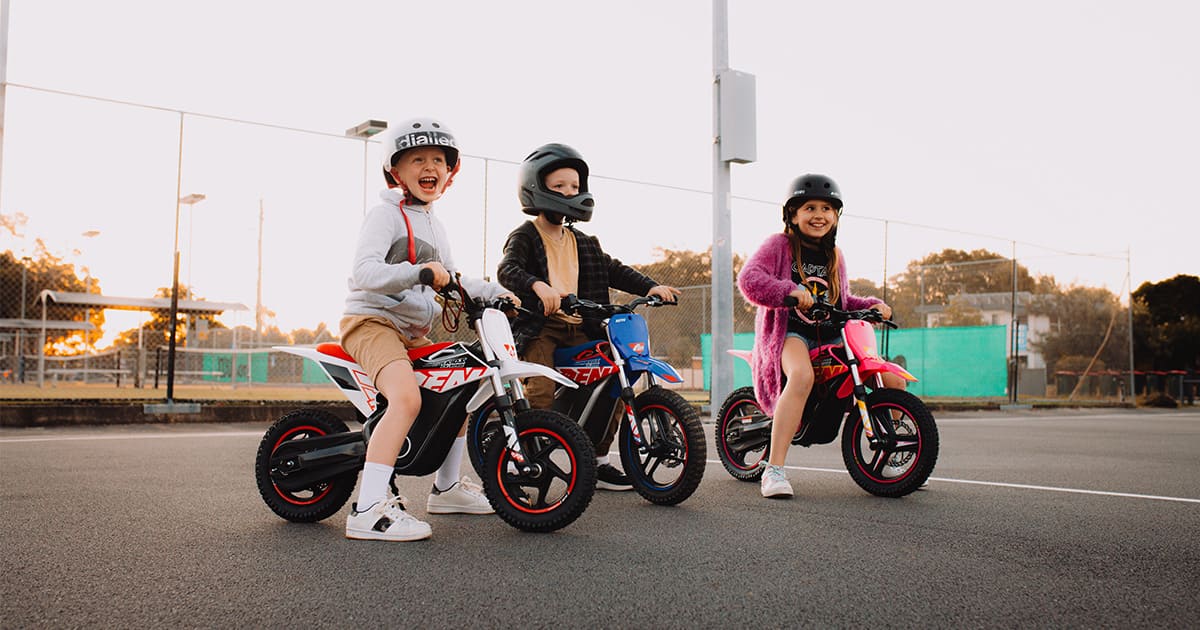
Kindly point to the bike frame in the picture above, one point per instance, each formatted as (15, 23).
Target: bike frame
(498, 372)
(625, 357)
(861, 360)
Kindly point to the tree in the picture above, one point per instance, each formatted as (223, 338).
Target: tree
(1168, 324)
(960, 313)
(934, 279)
(1086, 321)
(863, 287)
(156, 332)
(675, 330)
(45, 271)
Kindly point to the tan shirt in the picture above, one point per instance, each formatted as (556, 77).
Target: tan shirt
(562, 265)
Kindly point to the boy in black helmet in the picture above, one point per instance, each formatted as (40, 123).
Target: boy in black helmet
(547, 258)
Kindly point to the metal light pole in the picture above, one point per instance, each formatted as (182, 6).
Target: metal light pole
(364, 130)
(258, 307)
(174, 315)
(191, 201)
(25, 260)
(734, 141)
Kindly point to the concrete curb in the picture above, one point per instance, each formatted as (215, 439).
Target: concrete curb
(84, 412)
(15, 414)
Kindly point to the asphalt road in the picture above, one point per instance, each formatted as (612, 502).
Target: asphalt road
(1065, 519)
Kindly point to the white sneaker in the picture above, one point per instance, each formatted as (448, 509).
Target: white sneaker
(464, 497)
(775, 482)
(386, 520)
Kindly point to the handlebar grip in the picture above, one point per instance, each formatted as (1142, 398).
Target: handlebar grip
(569, 304)
(790, 301)
(425, 276)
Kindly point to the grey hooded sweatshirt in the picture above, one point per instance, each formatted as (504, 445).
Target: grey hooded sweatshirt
(382, 281)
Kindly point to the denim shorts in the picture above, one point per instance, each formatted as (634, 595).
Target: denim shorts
(808, 342)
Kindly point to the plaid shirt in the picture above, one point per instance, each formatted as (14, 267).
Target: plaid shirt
(524, 263)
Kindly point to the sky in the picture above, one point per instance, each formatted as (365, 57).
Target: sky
(1062, 131)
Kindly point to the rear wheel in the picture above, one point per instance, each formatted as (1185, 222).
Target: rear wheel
(321, 499)
(665, 461)
(743, 435)
(560, 478)
(905, 456)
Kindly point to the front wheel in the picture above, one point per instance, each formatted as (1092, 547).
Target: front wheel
(665, 458)
(905, 455)
(321, 498)
(559, 478)
(743, 435)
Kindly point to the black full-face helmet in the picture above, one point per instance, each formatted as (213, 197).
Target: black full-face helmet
(536, 198)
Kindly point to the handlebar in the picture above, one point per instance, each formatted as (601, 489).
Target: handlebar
(824, 312)
(456, 300)
(575, 305)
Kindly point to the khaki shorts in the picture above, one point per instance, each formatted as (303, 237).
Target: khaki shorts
(374, 342)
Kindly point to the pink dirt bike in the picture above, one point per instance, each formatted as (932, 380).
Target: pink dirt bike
(890, 440)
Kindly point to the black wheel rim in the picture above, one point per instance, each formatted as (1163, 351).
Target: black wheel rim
(303, 496)
(731, 433)
(552, 483)
(659, 460)
(897, 456)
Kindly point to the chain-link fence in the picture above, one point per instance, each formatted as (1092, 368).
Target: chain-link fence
(980, 316)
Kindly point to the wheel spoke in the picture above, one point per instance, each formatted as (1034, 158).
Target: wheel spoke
(543, 489)
(654, 462)
(535, 448)
(878, 462)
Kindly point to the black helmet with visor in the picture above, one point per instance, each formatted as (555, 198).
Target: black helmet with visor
(536, 198)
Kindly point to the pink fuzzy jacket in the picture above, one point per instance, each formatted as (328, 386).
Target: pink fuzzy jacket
(765, 281)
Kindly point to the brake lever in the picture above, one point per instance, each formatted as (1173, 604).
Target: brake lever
(569, 304)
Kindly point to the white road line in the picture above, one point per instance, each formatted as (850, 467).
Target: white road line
(131, 436)
(1021, 486)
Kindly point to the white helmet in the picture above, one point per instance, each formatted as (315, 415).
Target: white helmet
(416, 133)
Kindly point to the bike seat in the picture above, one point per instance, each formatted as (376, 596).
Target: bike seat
(335, 350)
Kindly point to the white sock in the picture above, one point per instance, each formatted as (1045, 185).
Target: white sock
(448, 474)
(375, 480)
(602, 460)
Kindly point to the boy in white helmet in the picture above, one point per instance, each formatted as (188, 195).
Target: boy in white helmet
(389, 311)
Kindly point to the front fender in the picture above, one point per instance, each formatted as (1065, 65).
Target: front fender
(870, 366)
(512, 370)
(661, 369)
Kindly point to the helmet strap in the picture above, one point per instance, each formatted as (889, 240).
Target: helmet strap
(412, 245)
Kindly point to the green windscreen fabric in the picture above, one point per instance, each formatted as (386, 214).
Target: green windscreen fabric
(960, 362)
(219, 367)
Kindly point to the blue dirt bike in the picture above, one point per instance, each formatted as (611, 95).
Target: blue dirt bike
(661, 439)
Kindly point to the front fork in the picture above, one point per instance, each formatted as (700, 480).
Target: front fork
(510, 400)
(627, 400)
(872, 430)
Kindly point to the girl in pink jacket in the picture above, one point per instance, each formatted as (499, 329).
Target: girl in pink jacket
(805, 249)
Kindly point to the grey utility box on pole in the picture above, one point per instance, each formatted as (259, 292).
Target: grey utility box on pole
(738, 124)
